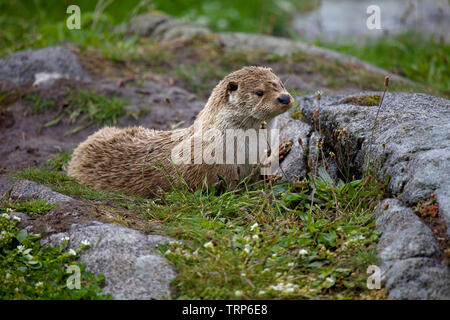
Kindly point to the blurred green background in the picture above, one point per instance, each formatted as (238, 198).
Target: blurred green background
(36, 23)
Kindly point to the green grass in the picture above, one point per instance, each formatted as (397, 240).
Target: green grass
(87, 107)
(34, 206)
(30, 271)
(39, 105)
(34, 24)
(259, 242)
(264, 243)
(419, 58)
(62, 183)
(38, 23)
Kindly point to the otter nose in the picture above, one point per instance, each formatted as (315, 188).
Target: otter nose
(284, 99)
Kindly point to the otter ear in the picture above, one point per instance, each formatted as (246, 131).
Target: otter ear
(232, 86)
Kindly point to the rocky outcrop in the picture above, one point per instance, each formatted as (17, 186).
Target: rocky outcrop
(41, 66)
(22, 190)
(410, 145)
(129, 260)
(161, 27)
(408, 251)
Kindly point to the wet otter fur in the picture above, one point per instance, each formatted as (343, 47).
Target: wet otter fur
(136, 160)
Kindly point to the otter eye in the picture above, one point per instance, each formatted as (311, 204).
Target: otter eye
(259, 93)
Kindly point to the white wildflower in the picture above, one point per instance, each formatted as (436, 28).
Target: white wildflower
(5, 215)
(20, 248)
(254, 226)
(16, 219)
(290, 264)
(255, 237)
(72, 252)
(209, 245)
(303, 252)
(85, 243)
(329, 282)
(285, 288)
(65, 239)
(243, 274)
(238, 293)
(40, 283)
(8, 210)
(261, 292)
(247, 248)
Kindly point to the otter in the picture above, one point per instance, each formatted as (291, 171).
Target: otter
(137, 160)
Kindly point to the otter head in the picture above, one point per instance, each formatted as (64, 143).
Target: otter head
(248, 96)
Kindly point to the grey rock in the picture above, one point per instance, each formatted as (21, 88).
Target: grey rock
(128, 258)
(411, 141)
(162, 27)
(293, 167)
(416, 278)
(411, 145)
(404, 235)
(26, 190)
(443, 198)
(51, 63)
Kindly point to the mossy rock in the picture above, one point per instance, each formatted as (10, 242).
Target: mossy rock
(366, 100)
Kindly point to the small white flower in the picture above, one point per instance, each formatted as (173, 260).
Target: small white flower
(238, 293)
(8, 275)
(40, 283)
(303, 252)
(290, 264)
(247, 248)
(330, 282)
(20, 248)
(85, 243)
(167, 252)
(65, 239)
(261, 292)
(243, 274)
(254, 226)
(209, 245)
(17, 219)
(72, 252)
(5, 215)
(255, 237)
(8, 210)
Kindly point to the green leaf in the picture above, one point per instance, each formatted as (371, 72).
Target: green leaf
(22, 235)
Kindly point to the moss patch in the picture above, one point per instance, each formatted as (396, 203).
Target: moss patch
(366, 100)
